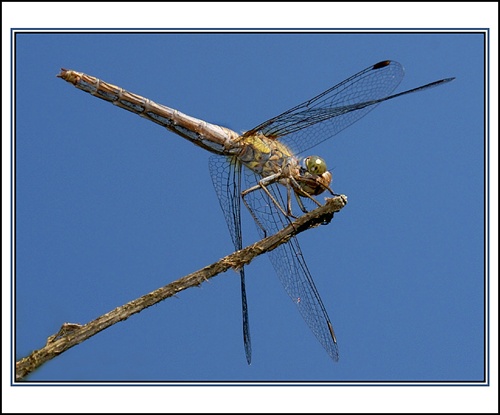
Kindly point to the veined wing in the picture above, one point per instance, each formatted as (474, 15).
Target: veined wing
(325, 115)
(290, 265)
(226, 177)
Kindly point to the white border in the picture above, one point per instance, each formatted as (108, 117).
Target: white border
(250, 15)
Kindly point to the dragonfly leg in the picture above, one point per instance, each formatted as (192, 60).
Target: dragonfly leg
(257, 221)
(289, 200)
(300, 203)
(329, 189)
(262, 185)
(299, 192)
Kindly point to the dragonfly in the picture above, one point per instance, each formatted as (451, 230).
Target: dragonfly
(262, 169)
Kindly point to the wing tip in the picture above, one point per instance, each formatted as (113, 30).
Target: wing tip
(381, 64)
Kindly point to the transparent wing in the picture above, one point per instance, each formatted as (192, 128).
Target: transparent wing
(226, 177)
(290, 265)
(325, 115)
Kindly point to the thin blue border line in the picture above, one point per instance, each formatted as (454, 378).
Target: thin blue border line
(486, 75)
(257, 29)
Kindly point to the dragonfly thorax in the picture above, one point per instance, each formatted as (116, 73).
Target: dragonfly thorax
(270, 158)
(266, 157)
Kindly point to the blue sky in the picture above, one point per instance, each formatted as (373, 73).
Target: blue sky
(110, 207)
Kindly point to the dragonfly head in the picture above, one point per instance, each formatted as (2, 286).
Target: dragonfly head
(315, 176)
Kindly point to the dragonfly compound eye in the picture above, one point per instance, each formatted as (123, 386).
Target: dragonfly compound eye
(315, 165)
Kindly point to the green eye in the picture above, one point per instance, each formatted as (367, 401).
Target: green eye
(315, 165)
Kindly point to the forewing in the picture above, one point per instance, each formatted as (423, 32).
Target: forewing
(325, 115)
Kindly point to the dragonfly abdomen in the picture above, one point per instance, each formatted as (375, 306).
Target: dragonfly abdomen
(214, 138)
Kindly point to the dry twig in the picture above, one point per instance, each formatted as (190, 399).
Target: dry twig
(72, 334)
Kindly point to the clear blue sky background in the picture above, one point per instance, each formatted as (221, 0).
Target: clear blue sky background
(110, 206)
